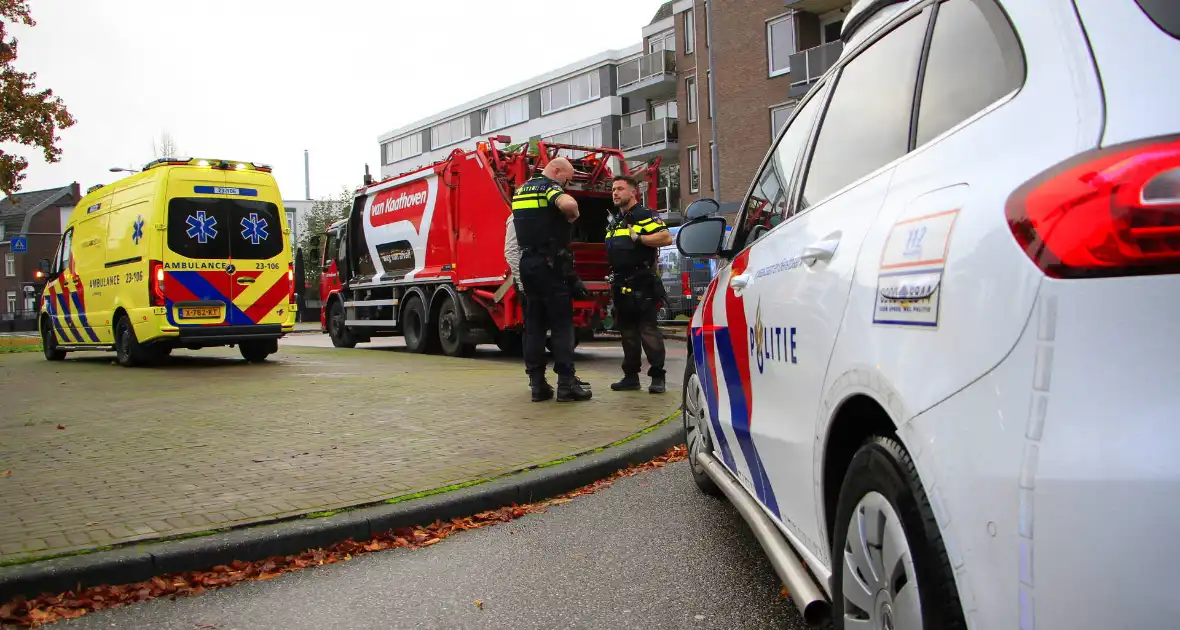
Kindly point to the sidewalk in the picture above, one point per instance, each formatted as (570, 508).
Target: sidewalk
(93, 455)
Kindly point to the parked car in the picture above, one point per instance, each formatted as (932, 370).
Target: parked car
(937, 375)
(685, 280)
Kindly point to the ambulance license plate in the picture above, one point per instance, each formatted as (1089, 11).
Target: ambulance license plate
(202, 312)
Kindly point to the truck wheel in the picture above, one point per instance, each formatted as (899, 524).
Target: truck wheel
(128, 351)
(258, 351)
(49, 342)
(420, 338)
(341, 337)
(450, 330)
(511, 343)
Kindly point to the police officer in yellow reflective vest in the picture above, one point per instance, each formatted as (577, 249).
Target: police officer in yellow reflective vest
(633, 237)
(541, 214)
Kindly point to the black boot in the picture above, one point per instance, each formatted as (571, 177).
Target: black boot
(542, 390)
(569, 389)
(657, 385)
(630, 382)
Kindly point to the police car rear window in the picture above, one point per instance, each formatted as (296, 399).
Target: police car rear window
(1165, 14)
(205, 228)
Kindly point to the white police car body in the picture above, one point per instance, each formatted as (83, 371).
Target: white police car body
(941, 360)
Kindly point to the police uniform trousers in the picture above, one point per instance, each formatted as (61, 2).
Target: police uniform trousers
(548, 307)
(636, 319)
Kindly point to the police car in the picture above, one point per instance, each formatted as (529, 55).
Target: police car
(936, 371)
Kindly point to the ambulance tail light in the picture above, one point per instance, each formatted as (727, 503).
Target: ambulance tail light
(685, 285)
(156, 282)
(1105, 213)
(290, 283)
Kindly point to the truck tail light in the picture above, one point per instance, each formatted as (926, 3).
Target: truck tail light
(156, 283)
(1104, 213)
(290, 283)
(685, 285)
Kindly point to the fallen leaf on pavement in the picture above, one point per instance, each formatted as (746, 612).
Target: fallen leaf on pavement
(479, 604)
(49, 607)
(7, 473)
(92, 523)
(783, 593)
(61, 427)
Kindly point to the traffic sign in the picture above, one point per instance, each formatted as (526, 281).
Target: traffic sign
(19, 244)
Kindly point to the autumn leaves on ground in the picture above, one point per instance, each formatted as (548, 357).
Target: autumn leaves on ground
(48, 608)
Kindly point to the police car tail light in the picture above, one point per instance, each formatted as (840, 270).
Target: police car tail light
(156, 283)
(1107, 212)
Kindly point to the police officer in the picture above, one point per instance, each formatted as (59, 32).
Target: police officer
(632, 238)
(541, 214)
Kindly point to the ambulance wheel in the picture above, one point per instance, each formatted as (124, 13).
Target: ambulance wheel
(258, 351)
(450, 331)
(891, 567)
(49, 342)
(341, 337)
(128, 351)
(420, 337)
(694, 411)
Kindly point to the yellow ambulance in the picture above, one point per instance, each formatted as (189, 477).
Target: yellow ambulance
(188, 253)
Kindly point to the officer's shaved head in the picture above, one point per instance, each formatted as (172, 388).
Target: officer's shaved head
(559, 170)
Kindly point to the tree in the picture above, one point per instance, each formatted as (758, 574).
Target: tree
(324, 212)
(27, 117)
(166, 147)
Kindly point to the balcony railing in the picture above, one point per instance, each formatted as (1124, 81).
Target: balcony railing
(811, 64)
(651, 65)
(658, 131)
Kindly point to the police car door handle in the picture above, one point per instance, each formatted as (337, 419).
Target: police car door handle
(821, 250)
(740, 281)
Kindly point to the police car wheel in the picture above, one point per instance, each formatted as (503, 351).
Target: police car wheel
(49, 343)
(891, 568)
(694, 411)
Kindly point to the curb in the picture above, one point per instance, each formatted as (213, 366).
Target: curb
(144, 561)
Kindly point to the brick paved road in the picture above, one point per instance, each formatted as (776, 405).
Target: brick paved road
(209, 441)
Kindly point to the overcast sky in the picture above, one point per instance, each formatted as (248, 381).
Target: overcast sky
(262, 80)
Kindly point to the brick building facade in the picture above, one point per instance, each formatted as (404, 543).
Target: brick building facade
(762, 56)
(39, 215)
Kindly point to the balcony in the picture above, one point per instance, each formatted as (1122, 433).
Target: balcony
(668, 205)
(646, 141)
(817, 6)
(650, 76)
(809, 65)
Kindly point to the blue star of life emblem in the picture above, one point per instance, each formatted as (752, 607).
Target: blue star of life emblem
(137, 229)
(201, 227)
(254, 228)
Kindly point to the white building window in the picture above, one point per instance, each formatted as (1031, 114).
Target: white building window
(9, 265)
(2, 239)
(11, 302)
(667, 109)
(690, 33)
(403, 148)
(778, 118)
(694, 169)
(506, 114)
(662, 41)
(580, 89)
(780, 44)
(450, 132)
(690, 90)
(586, 137)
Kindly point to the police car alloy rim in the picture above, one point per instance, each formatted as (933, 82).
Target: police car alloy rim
(879, 586)
(694, 421)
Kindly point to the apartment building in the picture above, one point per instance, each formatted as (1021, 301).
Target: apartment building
(39, 216)
(757, 58)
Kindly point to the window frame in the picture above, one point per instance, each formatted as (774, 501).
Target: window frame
(694, 187)
(690, 32)
(774, 133)
(486, 114)
(10, 302)
(690, 90)
(408, 139)
(770, 24)
(465, 119)
(9, 265)
(594, 80)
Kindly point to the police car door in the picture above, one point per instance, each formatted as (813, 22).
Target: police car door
(796, 275)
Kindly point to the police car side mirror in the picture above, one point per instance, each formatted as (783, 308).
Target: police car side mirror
(701, 208)
(702, 238)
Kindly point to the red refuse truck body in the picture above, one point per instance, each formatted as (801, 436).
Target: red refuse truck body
(421, 254)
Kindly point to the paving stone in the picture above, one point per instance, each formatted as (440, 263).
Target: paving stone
(228, 447)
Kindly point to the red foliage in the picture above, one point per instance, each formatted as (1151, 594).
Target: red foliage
(48, 608)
